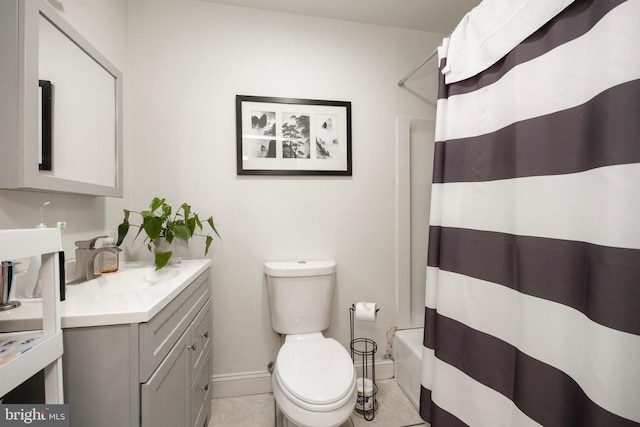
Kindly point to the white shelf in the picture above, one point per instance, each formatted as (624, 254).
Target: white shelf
(28, 242)
(45, 347)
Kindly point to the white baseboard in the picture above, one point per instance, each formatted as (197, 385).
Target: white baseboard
(240, 384)
(384, 369)
(258, 382)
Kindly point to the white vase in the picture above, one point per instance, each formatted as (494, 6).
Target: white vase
(177, 247)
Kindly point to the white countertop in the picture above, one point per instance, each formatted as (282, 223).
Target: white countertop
(134, 294)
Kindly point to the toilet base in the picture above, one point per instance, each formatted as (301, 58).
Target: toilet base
(334, 418)
(283, 421)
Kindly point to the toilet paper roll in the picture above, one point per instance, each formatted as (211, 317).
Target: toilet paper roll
(366, 311)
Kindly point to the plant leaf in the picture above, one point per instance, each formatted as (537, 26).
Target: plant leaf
(182, 232)
(187, 210)
(156, 203)
(123, 229)
(206, 248)
(191, 224)
(197, 221)
(138, 233)
(166, 211)
(213, 227)
(161, 258)
(153, 227)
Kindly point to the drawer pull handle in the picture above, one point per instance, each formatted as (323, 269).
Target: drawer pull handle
(192, 346)
(206, 335)
(205, 388)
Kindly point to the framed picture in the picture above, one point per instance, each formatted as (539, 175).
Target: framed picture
(286, 136)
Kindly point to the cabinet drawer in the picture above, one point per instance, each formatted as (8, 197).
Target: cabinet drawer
(200, 340)
(159, 335)
(201, 395)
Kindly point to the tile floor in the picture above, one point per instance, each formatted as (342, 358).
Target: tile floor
(394, 410)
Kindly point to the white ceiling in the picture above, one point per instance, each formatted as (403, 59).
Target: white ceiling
(438, 16)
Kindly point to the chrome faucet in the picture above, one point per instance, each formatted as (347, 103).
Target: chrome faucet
(86, 253)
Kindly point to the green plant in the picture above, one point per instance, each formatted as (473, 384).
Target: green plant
(158, 222)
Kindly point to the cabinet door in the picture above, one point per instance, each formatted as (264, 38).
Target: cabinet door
(80, 151)
(83, 128)
(165, 397)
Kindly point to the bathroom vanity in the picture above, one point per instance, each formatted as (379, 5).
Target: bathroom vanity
(146, 363)
(137, 346)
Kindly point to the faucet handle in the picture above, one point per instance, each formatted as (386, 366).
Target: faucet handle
(88, 244)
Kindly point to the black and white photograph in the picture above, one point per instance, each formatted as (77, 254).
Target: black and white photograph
(295, 131)
(326, 135)
(263, 126)
(292, 136)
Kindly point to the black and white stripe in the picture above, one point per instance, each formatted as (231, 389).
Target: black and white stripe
(533, 281)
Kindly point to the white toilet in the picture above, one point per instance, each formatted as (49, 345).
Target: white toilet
(314, 381)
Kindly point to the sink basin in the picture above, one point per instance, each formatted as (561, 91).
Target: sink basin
(127, 281)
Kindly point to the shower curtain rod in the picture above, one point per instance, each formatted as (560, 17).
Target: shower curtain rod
(417, 67)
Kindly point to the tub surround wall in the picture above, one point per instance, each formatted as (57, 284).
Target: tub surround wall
(415, 145)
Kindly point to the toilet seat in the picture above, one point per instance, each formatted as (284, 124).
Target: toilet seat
(315, 372)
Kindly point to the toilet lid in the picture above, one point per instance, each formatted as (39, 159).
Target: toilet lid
(316, 370)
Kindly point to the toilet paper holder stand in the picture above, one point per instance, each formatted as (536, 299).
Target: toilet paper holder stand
(365, 350)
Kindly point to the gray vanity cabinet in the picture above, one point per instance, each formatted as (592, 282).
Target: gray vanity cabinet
(151, 374)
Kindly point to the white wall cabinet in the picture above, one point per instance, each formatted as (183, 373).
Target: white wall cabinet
(70, 141)
(151, 374)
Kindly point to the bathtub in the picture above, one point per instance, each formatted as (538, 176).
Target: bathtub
(407, 355)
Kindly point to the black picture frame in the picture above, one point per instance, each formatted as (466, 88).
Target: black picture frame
(291, 136)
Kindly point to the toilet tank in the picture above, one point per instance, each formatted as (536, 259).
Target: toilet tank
(300, 295)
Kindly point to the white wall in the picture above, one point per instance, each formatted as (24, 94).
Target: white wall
(188, 60)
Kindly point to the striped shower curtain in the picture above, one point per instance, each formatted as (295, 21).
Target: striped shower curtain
(533, 281)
